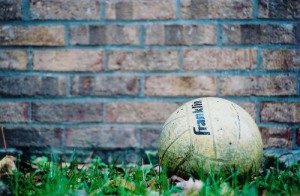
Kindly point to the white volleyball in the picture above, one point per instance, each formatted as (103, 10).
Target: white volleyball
(210, 134)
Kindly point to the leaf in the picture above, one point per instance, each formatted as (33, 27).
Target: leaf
(158, 169)
(8, 163)
(191, 186)
(226, 189)
(121, 182)
(175, 179)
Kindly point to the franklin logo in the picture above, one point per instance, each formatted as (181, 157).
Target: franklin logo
(201, 128)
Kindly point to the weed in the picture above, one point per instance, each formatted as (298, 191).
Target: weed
(98, 178)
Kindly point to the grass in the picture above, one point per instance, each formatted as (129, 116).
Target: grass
(98, 178)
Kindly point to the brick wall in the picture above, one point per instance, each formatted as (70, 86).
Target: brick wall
(101, 76)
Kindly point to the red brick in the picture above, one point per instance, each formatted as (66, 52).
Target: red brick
(140, 9)
(278, 9)
(180, 86)
(222, 9)
(11, 10)
(105, 85)
(67, 9)
(104, 35)
(297, 37)
(150, 138)
(67, 112)
(139, 112)
(279, 85)
(116, 156)
(250, 34)
(280, 59)
(219, 59)
(101, 137)
(143, 60)
(276, 137)
(249, 107)
(298, 137)
(68, 60)
(13, 60)
(32, 35)
(280, 112)
(20, 137)
(13, 112)
(180, 35)
(32, 86)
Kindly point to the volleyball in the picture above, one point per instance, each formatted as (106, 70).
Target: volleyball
(210, 134)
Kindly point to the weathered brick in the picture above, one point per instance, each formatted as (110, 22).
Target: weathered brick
(298, 137)
(13, 60)
(12, 112)
(83, 154)
(101, 137)
(32, 86)
(143, 60)
(278, 9)
(222, 9)
(150, 138)
(104, 35)
(116, 156)
(68, 60)
(280, 112)
(258, 34)
(11, 10)
(219, 59)
(280, 59)
(297, 27)
(180, 35)
(139, 112)
(67, 112)
(276, 137)
(32, 35)
(280, 85)
(67, 9)
(155, 34)
(140, 9)
(249, 107)
(286, 157)
(105, 85)
(20, 137)
(180, 86)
